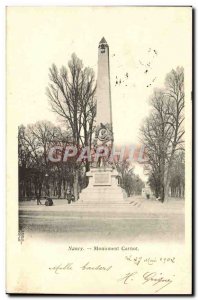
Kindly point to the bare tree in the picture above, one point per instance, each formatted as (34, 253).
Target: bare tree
(35, 169)
(71, 95)
(163, 131)
(174, 84)
(177, 175)
(129, 181)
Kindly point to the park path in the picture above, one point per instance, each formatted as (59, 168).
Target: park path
(133, 205)
(137, 218)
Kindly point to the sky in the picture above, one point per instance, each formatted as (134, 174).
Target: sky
(40, 36)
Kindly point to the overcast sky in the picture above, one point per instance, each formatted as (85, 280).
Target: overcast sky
(38, 37)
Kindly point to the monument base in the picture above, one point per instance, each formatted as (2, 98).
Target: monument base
(103, 187)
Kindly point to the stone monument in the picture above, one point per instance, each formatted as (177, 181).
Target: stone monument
(103, 177)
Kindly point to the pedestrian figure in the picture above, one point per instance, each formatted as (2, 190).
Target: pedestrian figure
(69, 197)
(38, 200)
(72, 198)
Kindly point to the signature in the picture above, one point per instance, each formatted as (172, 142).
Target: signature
(127, 277)
(155, 279)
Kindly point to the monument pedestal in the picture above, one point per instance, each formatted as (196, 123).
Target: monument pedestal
(103, 187)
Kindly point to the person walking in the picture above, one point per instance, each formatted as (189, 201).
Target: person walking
(38, 200)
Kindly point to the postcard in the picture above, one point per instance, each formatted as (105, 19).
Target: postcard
(99, 149)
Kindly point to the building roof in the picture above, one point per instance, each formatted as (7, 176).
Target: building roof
(103, 41)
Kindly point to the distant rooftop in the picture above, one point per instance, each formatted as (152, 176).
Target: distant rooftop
(103, 41)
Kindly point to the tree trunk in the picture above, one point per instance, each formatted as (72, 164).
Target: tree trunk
(166, 192)
(76, 185)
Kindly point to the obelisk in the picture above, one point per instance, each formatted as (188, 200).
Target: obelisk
(103, 92)
(103, 178)
(104, 131)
